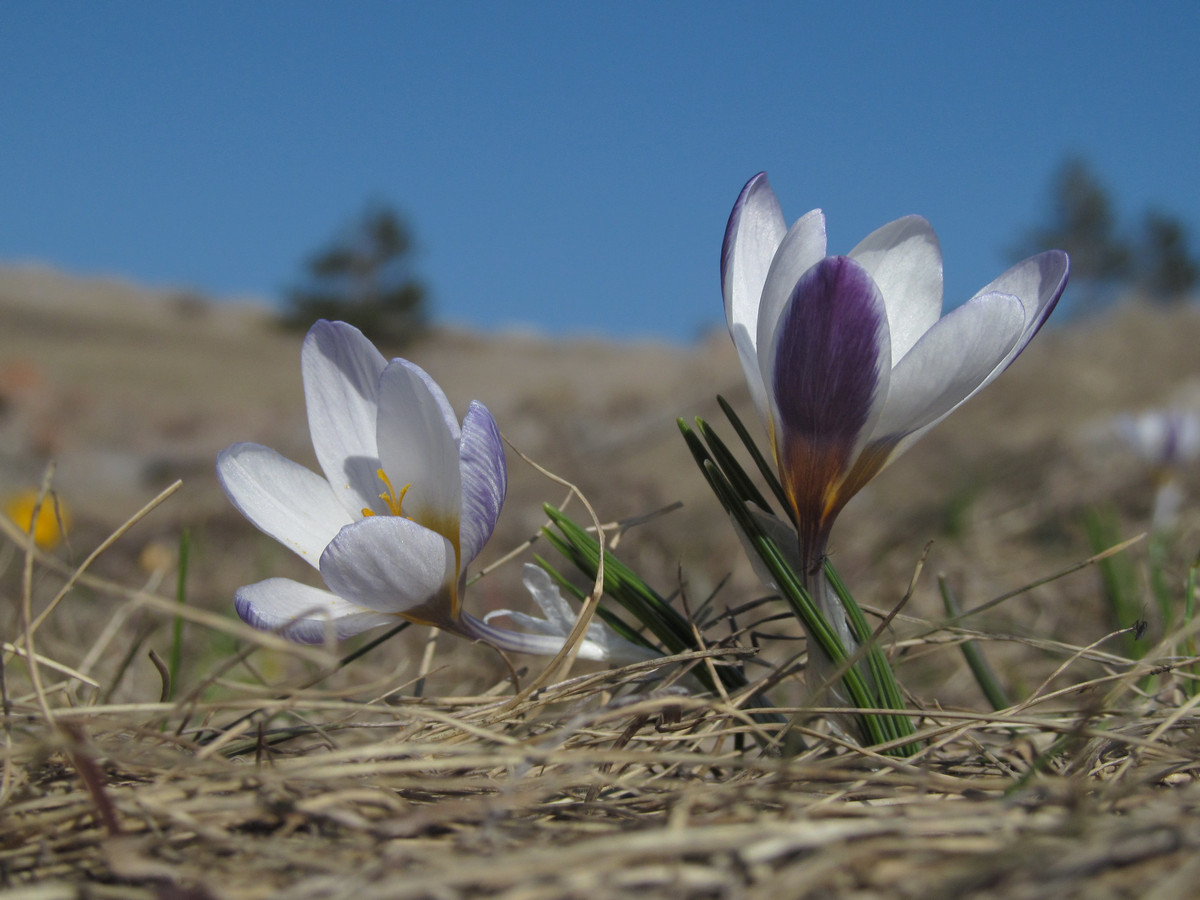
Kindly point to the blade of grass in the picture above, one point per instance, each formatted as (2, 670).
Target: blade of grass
(175, 660)
(985, 676)
(765, 468)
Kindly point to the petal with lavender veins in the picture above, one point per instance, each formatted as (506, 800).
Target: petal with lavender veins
(301, 613)
(827, 372)
(417, 448)
(484, 480)
(282, 498)
(393, 565)
(905, 260)
(341, 391)
(948, 365)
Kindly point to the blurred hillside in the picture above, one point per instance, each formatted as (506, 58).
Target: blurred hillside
(128, 389)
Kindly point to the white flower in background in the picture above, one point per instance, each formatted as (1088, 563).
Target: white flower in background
(407, 499)
(1167, 440)
(1161, 437)
(849, 358)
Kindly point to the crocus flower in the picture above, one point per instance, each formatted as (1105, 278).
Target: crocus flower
(1166, 439)
(849, 359)
(407, 499)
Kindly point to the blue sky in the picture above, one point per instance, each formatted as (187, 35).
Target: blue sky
(565, 166)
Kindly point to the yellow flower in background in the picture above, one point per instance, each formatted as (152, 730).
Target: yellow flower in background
(52, 523)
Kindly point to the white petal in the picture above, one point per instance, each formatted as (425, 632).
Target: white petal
(484, 480)
(905, 260)
(600, 643)
(1037, 282)
(560, 616)
(418, 448)
(341, 390)
(282, 498)
(540, 642)
(755, 229)
(390, 565)
(302, 613)
(949, 364)
(801, 249)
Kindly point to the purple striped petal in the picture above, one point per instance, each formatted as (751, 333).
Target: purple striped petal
(302, 613)
(827, 371)
(484, 481)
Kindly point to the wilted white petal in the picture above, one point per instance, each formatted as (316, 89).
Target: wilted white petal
(281, 498)
(302, 613)
(391, 565)
(341, 391)
(417, 448)
(484, 480)
(905, 260)
(600, 642)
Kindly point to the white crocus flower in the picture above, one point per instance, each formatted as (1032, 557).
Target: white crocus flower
(849, 358)
(407, 499)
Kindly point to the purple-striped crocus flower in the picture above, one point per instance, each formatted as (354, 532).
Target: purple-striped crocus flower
(849, 359)
(408, 498)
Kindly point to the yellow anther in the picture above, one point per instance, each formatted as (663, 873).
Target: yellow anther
(390, 497)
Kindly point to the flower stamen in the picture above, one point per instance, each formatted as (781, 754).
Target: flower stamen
(390, 496)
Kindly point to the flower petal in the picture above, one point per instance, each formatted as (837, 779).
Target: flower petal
(341, 390)
(484, 480)
(754, 231)
(281, 498)
(393, 565)
(954, 359)
(802, 248)
(418, 448)
(302, 613)
(1037, 282)
(600, 644)
(827, 372)
(905, 261)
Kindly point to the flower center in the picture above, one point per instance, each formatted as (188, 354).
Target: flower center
(391, 497)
